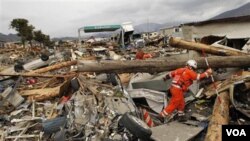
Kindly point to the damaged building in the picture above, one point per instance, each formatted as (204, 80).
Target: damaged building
(232, 32)
(226, 31)
(2, 43)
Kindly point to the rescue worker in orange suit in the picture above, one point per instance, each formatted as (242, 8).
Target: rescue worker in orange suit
(182, 79)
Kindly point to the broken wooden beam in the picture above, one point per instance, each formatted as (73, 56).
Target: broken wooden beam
(160, 65)
(45, 93)
(37, 75)
(23, 136)
(227, 84)
(22, 132)
(219, 117)
(54, 67)
(179, 43)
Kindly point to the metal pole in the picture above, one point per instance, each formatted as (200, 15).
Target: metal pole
(79, 37)
(123, 45)
(212, 77)
(147, 28)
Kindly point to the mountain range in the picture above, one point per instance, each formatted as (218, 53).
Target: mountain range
(149, 27)
(9, 37)
(237, 12)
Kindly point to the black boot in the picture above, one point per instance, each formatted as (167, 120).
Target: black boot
(182, 118)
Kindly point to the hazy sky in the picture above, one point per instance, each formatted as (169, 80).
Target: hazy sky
(60, 18)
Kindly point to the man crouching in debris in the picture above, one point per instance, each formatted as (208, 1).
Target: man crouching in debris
(182, 79)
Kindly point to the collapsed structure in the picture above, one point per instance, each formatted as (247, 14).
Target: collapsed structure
(99, 90)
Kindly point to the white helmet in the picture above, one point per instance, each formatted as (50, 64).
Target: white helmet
(192, 63)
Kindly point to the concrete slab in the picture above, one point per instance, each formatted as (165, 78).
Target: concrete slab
(175, 131)
(155, 99)
(157, 85)
(119, 104)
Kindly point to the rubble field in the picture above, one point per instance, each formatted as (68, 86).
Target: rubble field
(100, 91)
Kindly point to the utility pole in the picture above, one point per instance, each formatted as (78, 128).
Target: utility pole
(148, 19)
(148, 28)
(123, 44)
(79, 37)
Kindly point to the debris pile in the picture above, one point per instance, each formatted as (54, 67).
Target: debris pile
(100, 91)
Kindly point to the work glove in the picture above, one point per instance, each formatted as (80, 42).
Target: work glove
(166, 77)
(209, 71)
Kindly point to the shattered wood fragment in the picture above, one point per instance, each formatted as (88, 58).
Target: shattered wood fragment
(23, 131)
(48, 82)
(92, 87)
(220, 117)
(52, 111)
(40, 94)
(23, 136)
(26, 119)
(125, 77)
(223, 86)
(45, 93)
(94, 90)
(179, 43)
(159, 65)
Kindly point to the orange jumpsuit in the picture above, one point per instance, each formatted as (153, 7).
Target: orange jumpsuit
(182, 79)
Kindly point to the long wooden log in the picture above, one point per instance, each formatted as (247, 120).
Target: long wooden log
(167, 64)
(179, 43)
(37, 75)
(54, 67)
(220, 117)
